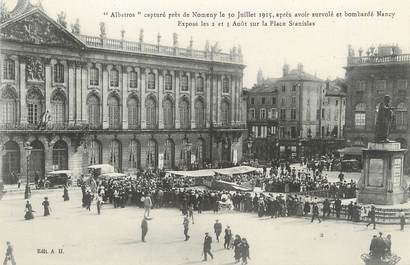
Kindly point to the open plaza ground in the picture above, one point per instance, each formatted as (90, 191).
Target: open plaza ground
(114, 237)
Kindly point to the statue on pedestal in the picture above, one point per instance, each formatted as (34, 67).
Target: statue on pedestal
(384, 121)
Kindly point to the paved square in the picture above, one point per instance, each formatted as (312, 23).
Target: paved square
(113, 238)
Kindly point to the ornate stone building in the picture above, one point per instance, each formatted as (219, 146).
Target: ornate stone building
(129, 104)
(370, 75)
(296, 115)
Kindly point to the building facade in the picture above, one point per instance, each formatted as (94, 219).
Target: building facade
(80, 100)
(304, 114)
(371, 75)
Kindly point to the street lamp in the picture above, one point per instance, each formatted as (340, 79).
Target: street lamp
(28, 149)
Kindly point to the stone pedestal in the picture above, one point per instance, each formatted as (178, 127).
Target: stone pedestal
(382, 179)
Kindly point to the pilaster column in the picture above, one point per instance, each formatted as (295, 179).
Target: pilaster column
(160, 98)
(71, 93)
(78, 92)
(48, 85)
(232, 80)
(208, 102)
(177, 79)
(84, 91)
(192, 90)
(219, 98)
(241, 112)
(104, 104)
(23, 94)
(124, 91)
(143, 110)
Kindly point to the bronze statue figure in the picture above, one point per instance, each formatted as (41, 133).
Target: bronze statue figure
(384, 121)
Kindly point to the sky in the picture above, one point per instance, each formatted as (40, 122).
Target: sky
(322, 49)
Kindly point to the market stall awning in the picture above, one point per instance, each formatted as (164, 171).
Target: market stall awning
(235, 170)
(194, 173)
(352, 150)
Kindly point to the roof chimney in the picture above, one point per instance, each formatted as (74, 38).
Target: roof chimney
(285, 69)
(300, 67)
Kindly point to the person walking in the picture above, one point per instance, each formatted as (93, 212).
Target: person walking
(244, 246)
(65, 194)
(144, 229)
(9, 255)
(46, 205)
(207, 247)
(191, 212)
(315, 213)
(28, 211)
(338, 207)
(237, 249)
(99, 203)
(227, 237)
(402, 216)
(186, 227)
(217, 229)
(147, 205)
(372, 216)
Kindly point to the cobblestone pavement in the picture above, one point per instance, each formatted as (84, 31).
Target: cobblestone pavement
(113, 238)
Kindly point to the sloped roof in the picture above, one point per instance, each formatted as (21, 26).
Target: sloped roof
(263, 89)
(299, 76)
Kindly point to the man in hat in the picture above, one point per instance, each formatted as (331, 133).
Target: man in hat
(147, 205)
(144, 228)
(315, 213)
(207, 246)
(372, 217)
(217, 229)
(228, 237)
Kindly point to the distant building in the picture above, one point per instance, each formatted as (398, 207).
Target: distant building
(296, 115)
(370, 75)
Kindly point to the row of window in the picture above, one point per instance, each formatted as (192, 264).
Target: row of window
(35, 110)
(114, 79)
(272, 114)
(264, 100)
(400, 116)
(380, 85)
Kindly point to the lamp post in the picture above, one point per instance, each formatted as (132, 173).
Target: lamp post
(27, 192)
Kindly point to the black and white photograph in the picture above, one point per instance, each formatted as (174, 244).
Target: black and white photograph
(182, 132)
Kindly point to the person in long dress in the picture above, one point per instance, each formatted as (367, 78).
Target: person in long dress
(9, 255)
(28, 211)
(46, 205)
(237, 249)
(65, 195)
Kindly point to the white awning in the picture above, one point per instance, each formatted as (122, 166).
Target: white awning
(235, 170)
(194, 173)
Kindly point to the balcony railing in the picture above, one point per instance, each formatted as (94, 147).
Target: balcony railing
(146, 48)
(351, 61)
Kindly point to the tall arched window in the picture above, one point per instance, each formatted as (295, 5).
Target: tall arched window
(114, 78)
(115, 155)
(169, 153)
(360, 116)
(151, 112)
(184, 83)
(58, 106)
(9, 72)
(133, 113)
(114, 117)
(225, 113)
(93, 103)
(225, 85)
(151, 80)
(58, 73)
(94, 76)
(401, 116)
(168, 107)
(34, 106)
(200, 84)
(168, 82)
(8, 103)
(199, 151)
(199, 114)
(152, 154)
(11, 161)
(184, 113)
(60, 155)
(94, 153)
(135, 151)
(133, 79)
